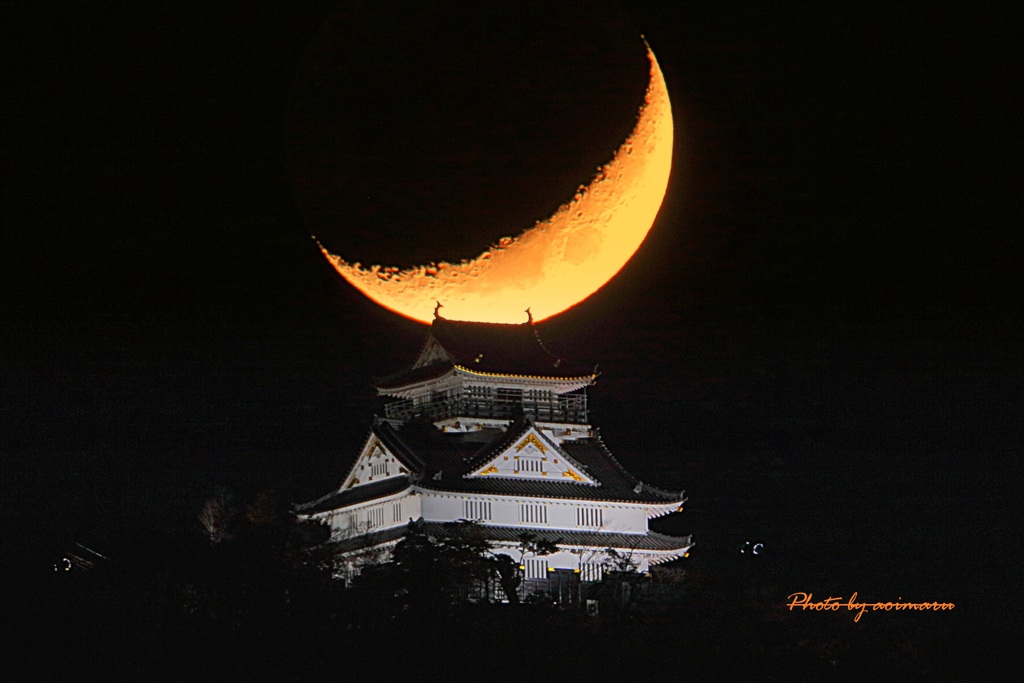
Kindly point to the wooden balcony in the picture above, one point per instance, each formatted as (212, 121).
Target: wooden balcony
(567, 408)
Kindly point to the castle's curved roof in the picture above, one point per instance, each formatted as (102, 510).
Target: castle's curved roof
(486, 348)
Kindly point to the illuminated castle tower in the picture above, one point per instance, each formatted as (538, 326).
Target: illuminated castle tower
(488, 426)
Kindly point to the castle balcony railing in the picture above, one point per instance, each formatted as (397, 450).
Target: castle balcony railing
(567, 408)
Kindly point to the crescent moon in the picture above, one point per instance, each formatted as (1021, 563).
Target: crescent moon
(558, 262)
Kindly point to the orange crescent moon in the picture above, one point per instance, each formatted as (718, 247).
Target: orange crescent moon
(558, 262)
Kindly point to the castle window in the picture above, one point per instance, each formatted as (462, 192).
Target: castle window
(590, 571)
(476, 510)
(533, 513)
(530, 465)
(590, 517)
(536, 569)
(396, 512)
(375, 517)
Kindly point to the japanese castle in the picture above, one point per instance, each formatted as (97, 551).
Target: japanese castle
(488, 426)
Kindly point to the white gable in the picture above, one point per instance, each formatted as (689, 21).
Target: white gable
(534, 456)
(375, 463)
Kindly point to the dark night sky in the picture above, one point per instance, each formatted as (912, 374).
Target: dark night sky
(820, 339)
